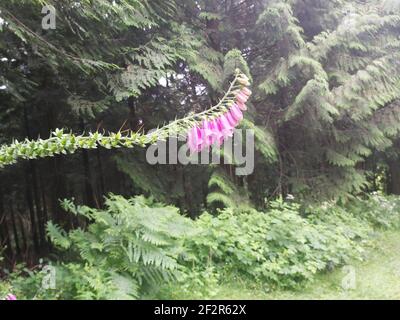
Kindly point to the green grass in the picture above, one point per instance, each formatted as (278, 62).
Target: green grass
(378, 277)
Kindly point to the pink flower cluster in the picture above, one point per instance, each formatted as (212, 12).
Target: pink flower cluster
(216, 130)
(10, 296)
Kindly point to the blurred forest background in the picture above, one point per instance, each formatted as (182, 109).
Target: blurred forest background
(325, 106)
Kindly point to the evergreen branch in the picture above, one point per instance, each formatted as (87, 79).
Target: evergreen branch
(52, 47)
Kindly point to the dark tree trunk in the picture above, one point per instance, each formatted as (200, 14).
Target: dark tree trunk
(43, 195)
(29, 199)
(39, 209)
(4, 233)
(394, 177)
(101, 172)
(23, 237)
(15, 231)
(58, 190)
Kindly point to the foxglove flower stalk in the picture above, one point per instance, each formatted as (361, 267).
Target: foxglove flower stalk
(217, 130)
(62, 142)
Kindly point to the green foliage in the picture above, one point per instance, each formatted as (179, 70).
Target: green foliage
(222, 190)
(278, 247)
(26, 283)
(152, 61)
(379, 210)
(135, 247)
(234, 60)
(284, 247)
(198, 282)
(129, 247)
(330, 74)
(264, 141)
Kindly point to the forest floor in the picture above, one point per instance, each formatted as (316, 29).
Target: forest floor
(378, 277)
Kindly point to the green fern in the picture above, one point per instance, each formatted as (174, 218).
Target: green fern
(127, 247)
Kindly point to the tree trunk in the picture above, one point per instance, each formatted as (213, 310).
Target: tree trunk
(15, 230)
(394, 177)
(4, 233)
(25, 245)
(38, 205)
(29, 199)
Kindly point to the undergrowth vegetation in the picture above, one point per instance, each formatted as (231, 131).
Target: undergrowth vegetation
(137, 248)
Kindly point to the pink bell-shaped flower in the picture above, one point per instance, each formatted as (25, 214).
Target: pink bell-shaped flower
(232, 121)
(241, 98)
(195, 139)
(192, 140)
(212, 126)
(236, 113)
(227, 128)
(241, 106)
(200, 139)
(208, 133)
(223, 133)
(246, 91)
(218, 131)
